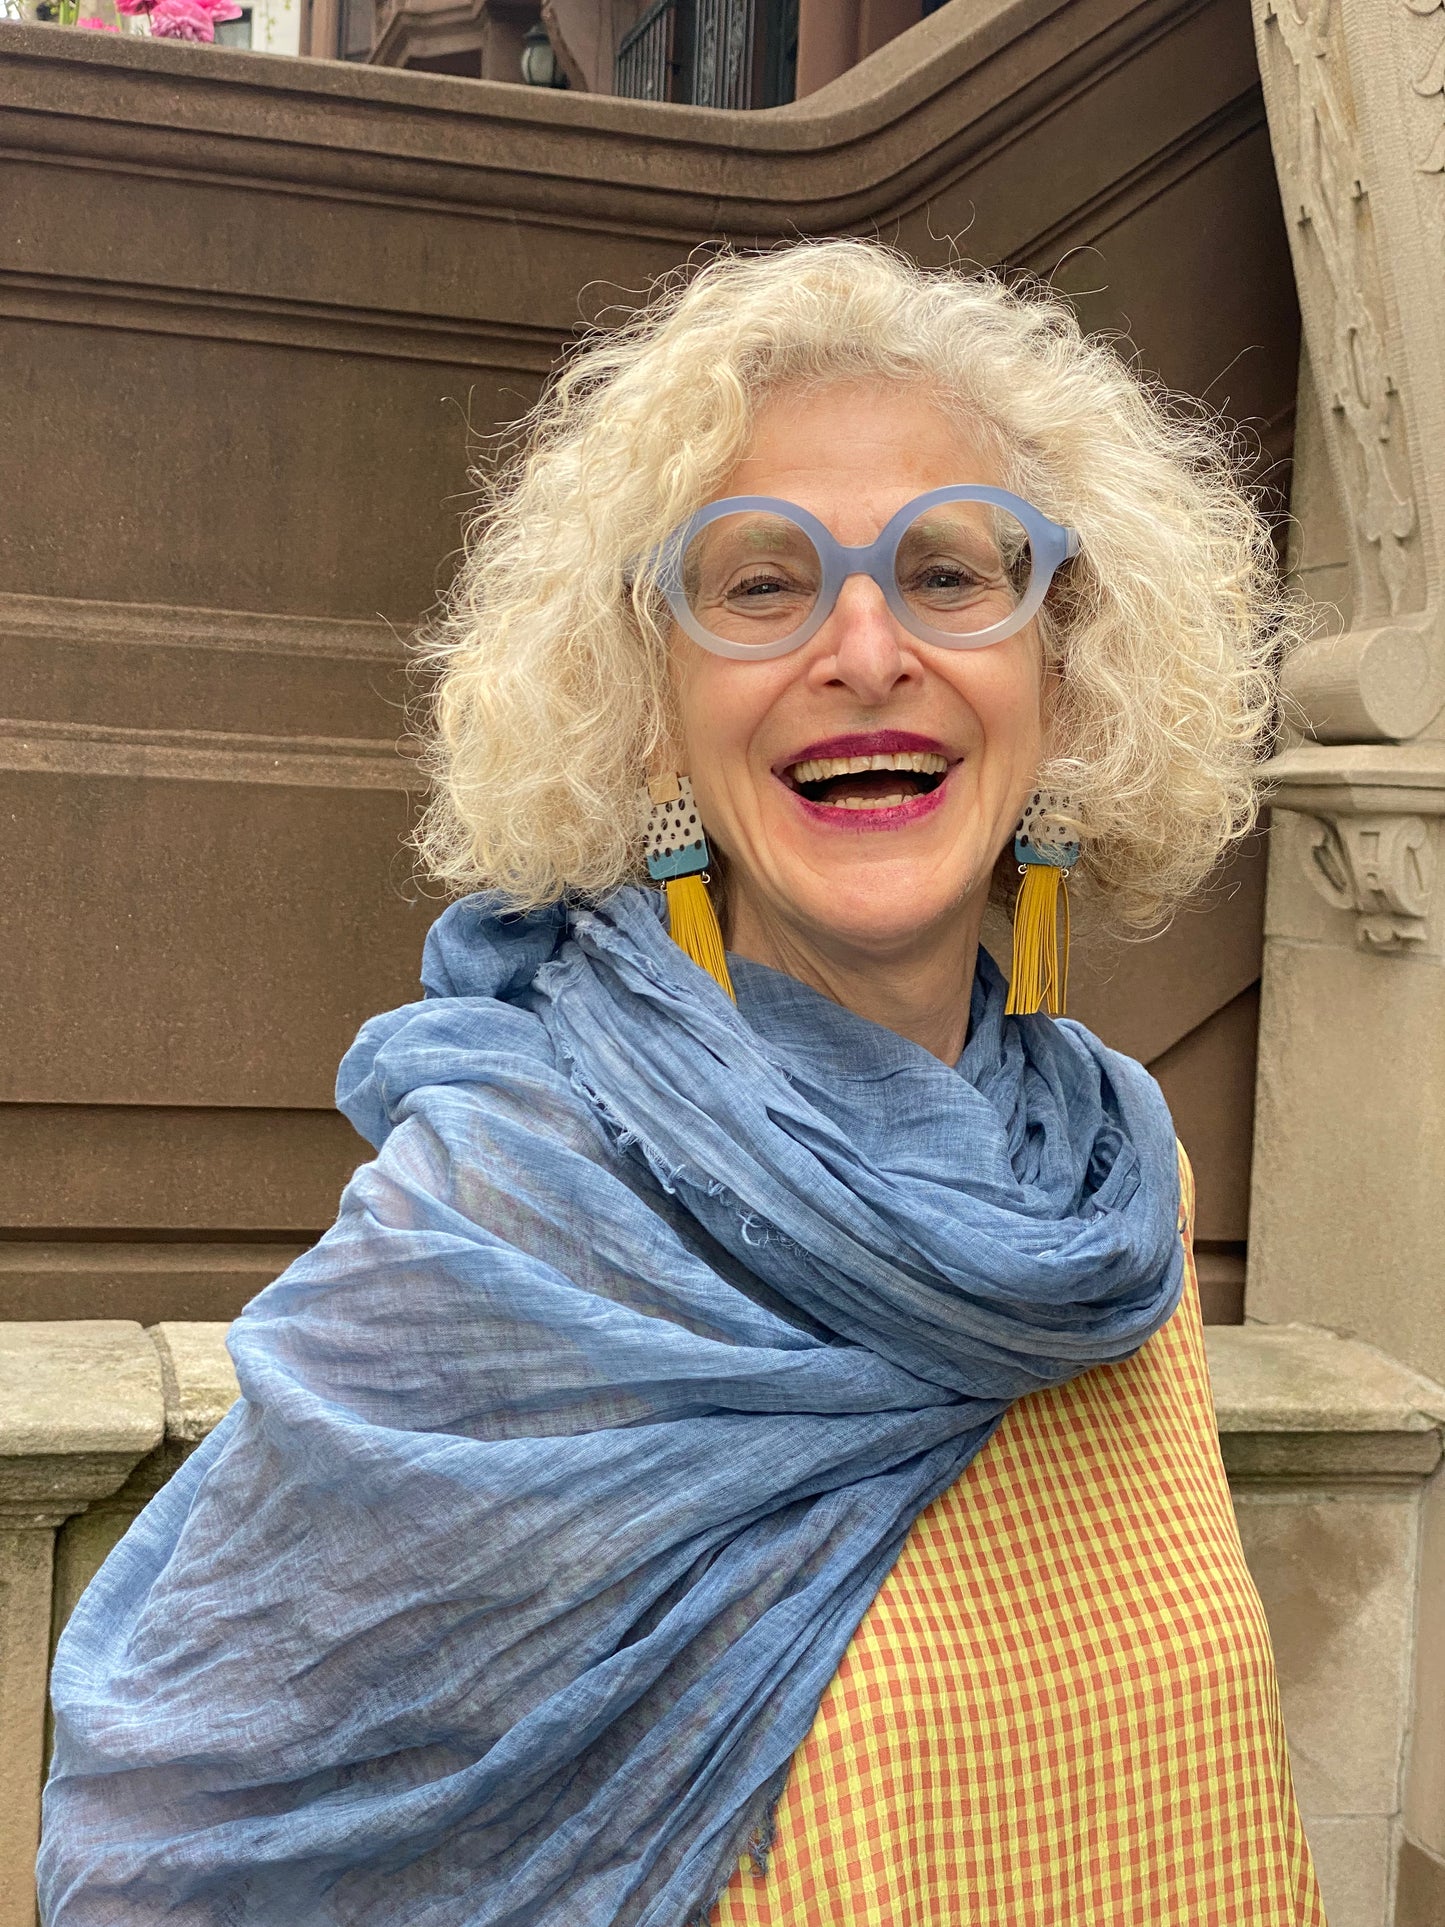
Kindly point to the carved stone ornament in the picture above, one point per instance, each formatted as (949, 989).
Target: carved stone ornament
(1382, 868)
(1318, 152)
(1355, 91)
(1374, 817)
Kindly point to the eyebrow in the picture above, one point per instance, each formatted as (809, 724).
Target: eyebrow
(768, 528)
(931, 525)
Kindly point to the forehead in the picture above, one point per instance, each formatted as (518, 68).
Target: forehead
(864, 440)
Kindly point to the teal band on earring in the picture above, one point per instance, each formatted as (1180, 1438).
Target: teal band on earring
(689, 861)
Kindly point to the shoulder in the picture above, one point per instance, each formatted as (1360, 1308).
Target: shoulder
(474, 1025)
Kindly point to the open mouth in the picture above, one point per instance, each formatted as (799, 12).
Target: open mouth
(883, 781)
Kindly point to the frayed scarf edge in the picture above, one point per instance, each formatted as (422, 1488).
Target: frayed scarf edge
(759, 1850)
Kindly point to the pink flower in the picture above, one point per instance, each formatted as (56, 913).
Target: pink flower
(187, 19)
(182, 20)
(98, 25)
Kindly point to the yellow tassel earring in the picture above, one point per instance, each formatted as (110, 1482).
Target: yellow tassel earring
(1046, 848)
(677, 858)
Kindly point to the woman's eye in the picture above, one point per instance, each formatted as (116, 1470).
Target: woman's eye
(945, 577)
(760, 586)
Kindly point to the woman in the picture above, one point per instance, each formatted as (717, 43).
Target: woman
(718, 1425)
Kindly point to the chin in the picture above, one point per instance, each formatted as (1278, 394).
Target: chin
(881, 920)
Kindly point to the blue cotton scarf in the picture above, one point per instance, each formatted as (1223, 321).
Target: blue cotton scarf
(570, 1459)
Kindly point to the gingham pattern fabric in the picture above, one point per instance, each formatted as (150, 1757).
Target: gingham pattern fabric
(1061, 1709)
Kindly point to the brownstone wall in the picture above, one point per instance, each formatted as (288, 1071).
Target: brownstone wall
(253, 312)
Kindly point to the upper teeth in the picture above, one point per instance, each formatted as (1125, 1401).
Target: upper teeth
(927, 762)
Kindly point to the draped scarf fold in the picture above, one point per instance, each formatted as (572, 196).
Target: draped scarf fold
(569, 1460)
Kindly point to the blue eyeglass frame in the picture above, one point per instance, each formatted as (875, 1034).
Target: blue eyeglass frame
(1050, 546)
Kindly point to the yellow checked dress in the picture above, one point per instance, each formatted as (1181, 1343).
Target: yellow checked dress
(1061, 1708)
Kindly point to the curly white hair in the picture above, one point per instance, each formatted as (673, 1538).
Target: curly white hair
(553, 691)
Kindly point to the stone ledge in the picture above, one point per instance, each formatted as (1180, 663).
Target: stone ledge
(89, 1407)
(1300, 1402)
(198, 1377)
(85, 1404)
(80, 1405)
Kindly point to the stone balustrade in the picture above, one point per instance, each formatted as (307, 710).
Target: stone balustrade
(1334, 1454)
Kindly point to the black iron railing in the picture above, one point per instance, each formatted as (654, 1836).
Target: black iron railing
(713, 53)
(646, 57)
(722, 53)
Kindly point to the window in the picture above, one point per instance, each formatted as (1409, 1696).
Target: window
(235, 33)
(358, 29)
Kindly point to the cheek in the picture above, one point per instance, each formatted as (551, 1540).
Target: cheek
(1007, 696)
(695, 701)
(709, 729)
(721, 705)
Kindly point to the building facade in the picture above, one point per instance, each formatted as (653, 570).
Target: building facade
(706, 53)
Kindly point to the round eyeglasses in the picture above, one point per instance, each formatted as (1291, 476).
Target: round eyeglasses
(753, 577)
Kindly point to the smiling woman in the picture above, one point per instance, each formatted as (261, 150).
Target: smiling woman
(859, 858)
(558, 655)
(744, 1451)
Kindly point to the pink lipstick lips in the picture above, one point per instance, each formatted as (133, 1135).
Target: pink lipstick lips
(868, 779)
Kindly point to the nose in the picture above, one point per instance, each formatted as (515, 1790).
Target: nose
(862, 647)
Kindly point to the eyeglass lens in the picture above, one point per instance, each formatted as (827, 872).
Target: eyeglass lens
(755, 577)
